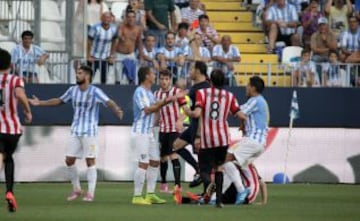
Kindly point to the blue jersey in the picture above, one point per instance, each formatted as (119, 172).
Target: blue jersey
(25, 61)
(102, 39)
(256, 125)
(143, 123)
(86, 109)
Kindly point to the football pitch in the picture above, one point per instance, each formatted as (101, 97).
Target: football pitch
(46, 201)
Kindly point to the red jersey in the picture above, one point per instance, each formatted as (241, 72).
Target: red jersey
(216, 105)
(169, 113)
(9, 119)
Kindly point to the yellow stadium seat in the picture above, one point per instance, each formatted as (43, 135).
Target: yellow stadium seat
(259, 58)
(235, 26)
(224, 6)
(258, 68)
(251, 48)
(245, 37)
(274, 81)
(226, 16)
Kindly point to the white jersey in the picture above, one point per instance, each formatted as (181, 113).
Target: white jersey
(86, 109)
(143, 123)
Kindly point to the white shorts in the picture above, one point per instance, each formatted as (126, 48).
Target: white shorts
(146, 147)
(83, 147)
(245, 151)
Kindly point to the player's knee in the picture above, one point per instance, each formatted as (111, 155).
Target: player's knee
(90, 162)
(174, 156)
(69, 161)
(154, 163)
(143, 165)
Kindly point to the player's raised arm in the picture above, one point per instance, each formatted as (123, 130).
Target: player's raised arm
(115, 109)
(51, 102)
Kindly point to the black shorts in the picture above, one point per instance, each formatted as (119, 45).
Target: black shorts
(211, 158)
(8, 143)
(189, 134)
(166, 141)
(284, 38)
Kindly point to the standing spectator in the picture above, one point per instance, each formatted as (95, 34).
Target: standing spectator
(338, 14)
(157, 13)
(25, 56)
(95, 9)
(332, 71)
(208, 34)
(129, 37)
(350, 42)
(140, 20)
(224, 56)
(12, 91)
(197, 52)
(182, 3)
(191, 13)
(101, 38)
(309, 21)
(282, 21)
(322, 42)
(148, 57)
(305, 74)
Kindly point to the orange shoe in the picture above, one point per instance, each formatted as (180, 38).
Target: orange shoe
(193, 196)
(177, 195)
(12, 205)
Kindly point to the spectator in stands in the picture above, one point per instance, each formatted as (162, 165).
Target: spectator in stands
(197, 52)
(332, 71)
(170, 56)
(25, 56)
(338, 14)
(95, 9)
(149, 53)
(157, 13)
(224, 56)
(357, 9)
(282, 21)
(305, 74)
(134, 5)
(322, 42)
(182, 3)
(191, 14)
(129, 38)
(350, 42)
(101, 38)
(182, 40)
(309, 20)
(208, 34)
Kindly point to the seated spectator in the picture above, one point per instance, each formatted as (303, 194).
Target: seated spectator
(322, 42)
(208, 34)
(101, 38)
(25, 56)
(191, 13)
(170, 56)
(305, 74)
(182, 3)
(350, 42)
(332, 71)
(282, 21)
(197, 52)
(182, 40)
(309, 20)
(338, 14)
(134, 5)
(224, 56)
(148, 57)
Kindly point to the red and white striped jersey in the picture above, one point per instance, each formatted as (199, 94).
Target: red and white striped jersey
(9, 119)
(251, 181)
(169, 113)
(216, 104)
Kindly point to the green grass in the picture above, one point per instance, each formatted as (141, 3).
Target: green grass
(38, 202)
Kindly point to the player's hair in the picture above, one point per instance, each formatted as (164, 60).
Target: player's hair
(165, 73)
(5, 59)
(27, 33)
(217, 78)
(202, 67)
(203, 16)
(258, 83)
(183, 25)
(142, 73)
(87, 69)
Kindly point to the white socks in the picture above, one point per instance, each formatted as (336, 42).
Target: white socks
(92, 178)
(73, 176)
(139, 180)
(234, 175)
(151, 177)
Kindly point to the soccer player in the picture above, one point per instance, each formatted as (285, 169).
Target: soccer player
(198, 74)
(146, 147)
(171, 121)
(85, 99)
(255, 114)
(213, 106)
(11, 91)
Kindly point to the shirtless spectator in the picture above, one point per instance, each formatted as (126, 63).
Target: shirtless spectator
(129, 37)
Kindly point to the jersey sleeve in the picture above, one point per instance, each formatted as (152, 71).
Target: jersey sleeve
(66, 97)
(101, 97)
(19, 82)
(249, 107)
(234, 106)
(199, 101)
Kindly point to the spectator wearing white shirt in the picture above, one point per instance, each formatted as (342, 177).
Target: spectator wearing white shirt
(191, 13)
(208, 34)
(224, 56)
(25, 56)
(332, 71)
(181, 39)
(305, 74)
(148, 57)
(350, 42)
(282, 21)
(197, 52)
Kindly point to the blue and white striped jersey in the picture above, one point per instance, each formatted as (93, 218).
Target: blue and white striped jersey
(175, 52)
(102, 39)
(25, 61)
(287, 14)
(151, 54)
(351, 41)
(143, 123)
(256, 125)
(218, 51)
(203, 51)
(86, 109)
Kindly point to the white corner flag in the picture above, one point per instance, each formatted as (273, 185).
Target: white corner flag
(294, 114)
